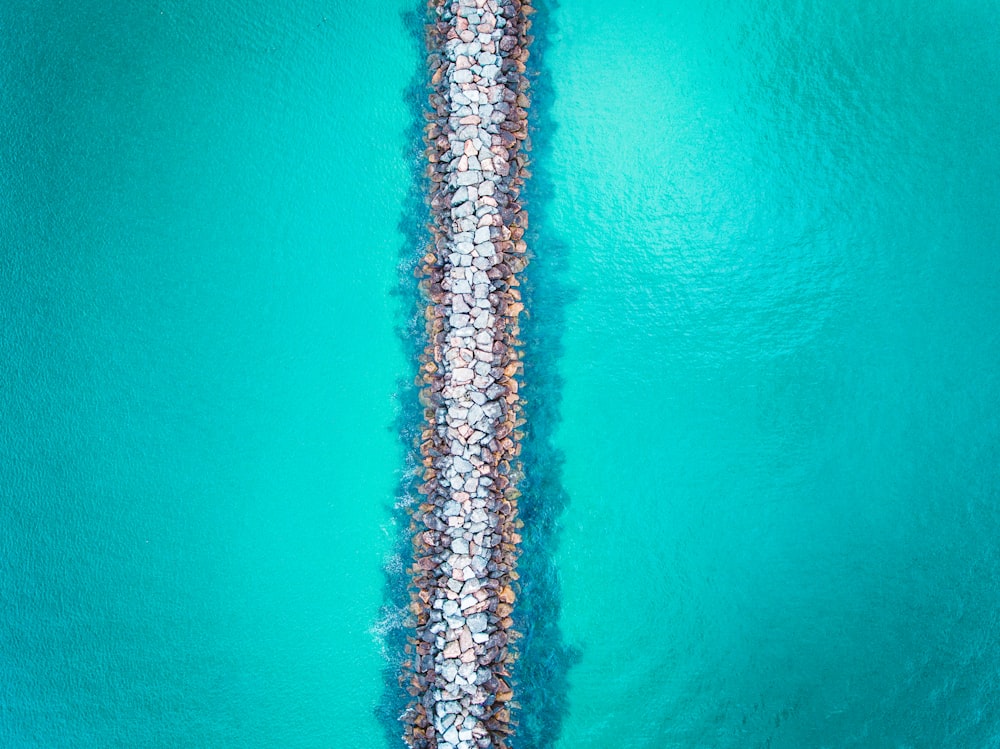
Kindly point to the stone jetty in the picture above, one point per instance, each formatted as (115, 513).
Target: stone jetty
(465, 531)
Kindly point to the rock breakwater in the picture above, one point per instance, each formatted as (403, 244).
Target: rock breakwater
(465, 535)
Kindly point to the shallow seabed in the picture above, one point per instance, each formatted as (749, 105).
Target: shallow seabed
(780, 405)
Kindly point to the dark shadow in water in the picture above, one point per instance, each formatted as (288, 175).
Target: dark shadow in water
(395, 624)
(541, 673)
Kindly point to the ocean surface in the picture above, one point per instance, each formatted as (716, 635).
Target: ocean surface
(199, 239)
(763, 462)
(779, 237)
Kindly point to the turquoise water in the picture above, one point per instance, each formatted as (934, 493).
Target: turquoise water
(779, 414)
(198, 239)
(763, 467)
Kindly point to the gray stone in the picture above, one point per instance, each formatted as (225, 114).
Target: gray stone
(447, 707)
(468, 178)
(477, 623)
(463, 210)
(495, 391)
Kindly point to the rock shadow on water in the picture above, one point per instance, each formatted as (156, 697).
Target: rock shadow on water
(545, 659)
(395, 622)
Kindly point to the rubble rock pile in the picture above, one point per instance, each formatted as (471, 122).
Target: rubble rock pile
(465, 529)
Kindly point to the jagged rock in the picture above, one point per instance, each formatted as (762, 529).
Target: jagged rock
(478, 623)
(463, 573)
